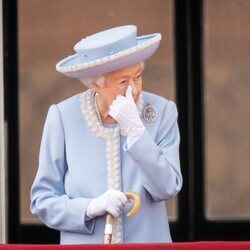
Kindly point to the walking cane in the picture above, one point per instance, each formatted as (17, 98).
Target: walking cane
(110, 220)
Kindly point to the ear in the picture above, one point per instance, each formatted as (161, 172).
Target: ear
(95, 87)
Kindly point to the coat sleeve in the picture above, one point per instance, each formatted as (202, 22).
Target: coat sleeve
(158, 158)
(48, 198)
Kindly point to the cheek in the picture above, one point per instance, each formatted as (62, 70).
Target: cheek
(138, 92)
(111, 95)
(120, 91)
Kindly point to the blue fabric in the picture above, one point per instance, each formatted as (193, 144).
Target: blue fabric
(106, 43)
(72, 170)
(107, 51)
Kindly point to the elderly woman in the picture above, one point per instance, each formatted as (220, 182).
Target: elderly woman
(109, 139)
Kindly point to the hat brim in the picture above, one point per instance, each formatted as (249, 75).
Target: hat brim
(78, 66)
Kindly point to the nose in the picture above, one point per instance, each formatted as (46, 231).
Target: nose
(135, 90)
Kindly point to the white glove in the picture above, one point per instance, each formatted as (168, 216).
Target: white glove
(112, 202)
(123, 109)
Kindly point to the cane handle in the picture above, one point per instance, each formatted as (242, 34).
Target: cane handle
(137, 202)
(110, 220)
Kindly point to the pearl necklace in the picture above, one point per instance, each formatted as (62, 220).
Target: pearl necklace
(96, 109)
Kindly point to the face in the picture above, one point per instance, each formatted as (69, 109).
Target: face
(117, 82)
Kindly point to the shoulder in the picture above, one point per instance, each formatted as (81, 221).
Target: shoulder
(69, 102)
(160, 102)
(65, 108)
(159, 114)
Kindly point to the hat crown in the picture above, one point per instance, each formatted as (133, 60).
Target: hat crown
(108, 42)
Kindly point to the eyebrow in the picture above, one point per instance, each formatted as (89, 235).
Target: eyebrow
(127, 76)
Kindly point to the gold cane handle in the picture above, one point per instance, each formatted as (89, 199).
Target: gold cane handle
(137, 202)
(110, 220)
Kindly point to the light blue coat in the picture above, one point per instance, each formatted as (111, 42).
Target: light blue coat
(72, 170)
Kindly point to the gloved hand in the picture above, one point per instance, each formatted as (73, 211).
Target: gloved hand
(112, 201)
(123, 109)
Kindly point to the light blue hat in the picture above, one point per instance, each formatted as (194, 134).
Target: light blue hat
(107, 51)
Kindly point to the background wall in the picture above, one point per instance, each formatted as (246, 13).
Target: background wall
(227, 113)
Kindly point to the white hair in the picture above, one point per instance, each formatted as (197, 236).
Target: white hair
(99, 80)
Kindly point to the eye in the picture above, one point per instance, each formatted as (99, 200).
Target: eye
(138, 77)
(123, 84)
